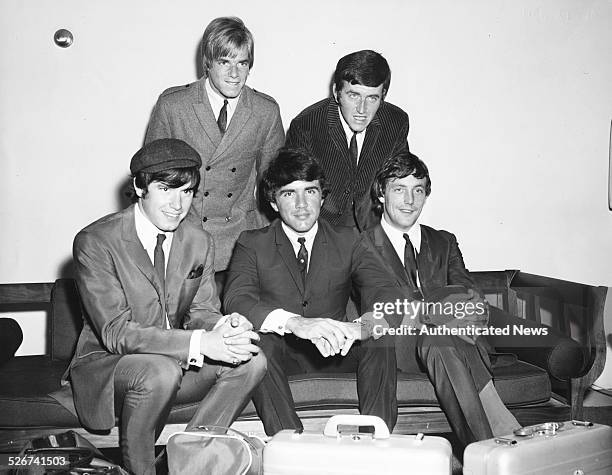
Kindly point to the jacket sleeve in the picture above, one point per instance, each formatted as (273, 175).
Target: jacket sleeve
(159, 126)
(457, 274)
(108, 310)
(242, 290)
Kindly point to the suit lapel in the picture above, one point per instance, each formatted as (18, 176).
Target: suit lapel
(390, 257)
(136, 251)
(204, 113)
(369, 143)
(336, 132)
(241, 116)
(318, 259)
(285, 249)
(174, 276)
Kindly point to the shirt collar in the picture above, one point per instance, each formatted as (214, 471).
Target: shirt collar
(147, 232)
(293, 236)
(347, 130)
(216, 100)
(397, 237)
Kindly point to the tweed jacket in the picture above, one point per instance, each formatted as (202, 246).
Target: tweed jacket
(318, 129)
(225, 203)
(125, 305)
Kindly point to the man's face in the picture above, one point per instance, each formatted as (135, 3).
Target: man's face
(228, 74)
(358, 104)
(403, 201)
(299, 204)
(164, 206)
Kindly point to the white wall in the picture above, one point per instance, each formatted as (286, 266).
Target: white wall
(510, 105)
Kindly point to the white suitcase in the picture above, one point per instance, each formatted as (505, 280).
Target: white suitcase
(556, 448)
(335, 453)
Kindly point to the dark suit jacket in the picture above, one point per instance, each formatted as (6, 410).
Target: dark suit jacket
(440, 264)
(263, 274)
(440, 261)
(318, 129)
(232, 163)
(124, 305)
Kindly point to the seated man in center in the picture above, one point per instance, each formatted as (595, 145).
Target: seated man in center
(292, 280)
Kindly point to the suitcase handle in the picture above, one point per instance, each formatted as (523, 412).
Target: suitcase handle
(381, 431)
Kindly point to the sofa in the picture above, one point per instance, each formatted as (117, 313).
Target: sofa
(546, 382)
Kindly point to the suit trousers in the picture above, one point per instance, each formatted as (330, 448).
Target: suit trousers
(372, 360)
(458, 371)
(147, 386)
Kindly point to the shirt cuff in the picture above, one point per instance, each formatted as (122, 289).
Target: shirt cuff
(195, 357)
(276, 322)
(221, 321)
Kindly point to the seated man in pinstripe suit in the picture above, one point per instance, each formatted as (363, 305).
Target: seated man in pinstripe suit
(351, 134)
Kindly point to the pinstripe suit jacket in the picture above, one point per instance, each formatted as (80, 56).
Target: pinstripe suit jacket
(318, 129)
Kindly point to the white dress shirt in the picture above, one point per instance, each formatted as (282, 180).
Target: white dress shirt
(276, 321)
(216, 102)
(349, 135)
(147, 234)
(396, 237)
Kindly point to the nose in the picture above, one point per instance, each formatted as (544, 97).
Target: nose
(175, 200)
(234, 70)
(408, 198)
(361, 106)
(300, 200)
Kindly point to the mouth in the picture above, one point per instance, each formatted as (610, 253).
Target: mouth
(172, 216)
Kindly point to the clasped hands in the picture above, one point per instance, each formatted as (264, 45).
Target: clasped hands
(231, 341)
(329, 336)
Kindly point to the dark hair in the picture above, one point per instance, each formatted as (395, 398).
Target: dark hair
(366, 67)
(173, 177)
(288, 166)
(223, 37)
(400, 165)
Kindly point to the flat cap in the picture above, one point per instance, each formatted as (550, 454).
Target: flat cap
(164, 154)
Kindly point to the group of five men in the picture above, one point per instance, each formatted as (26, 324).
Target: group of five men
(154, 334)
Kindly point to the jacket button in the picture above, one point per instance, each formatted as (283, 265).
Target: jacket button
(305, 303)
(207, 167)
(346, 192)
(229, 195)
(204, 219)
(206, 193)
(228, 218)
(234, 170)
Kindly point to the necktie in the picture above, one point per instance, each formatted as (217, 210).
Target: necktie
(353, 149)
(410, 262)
(159, 260)
(222, 120)
(302, 258)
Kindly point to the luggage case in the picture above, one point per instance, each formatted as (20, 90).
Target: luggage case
(334, 452)
(558, 448)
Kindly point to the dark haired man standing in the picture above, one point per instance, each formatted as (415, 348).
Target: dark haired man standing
(292, 280)
(147, 284)
(235, 129)
(351, 134)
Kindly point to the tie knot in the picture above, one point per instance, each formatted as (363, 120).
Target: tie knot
(301, 240)
(406, 237)
(160, 239)
(224, 102)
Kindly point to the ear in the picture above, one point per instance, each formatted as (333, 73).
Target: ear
(335, 92)
(274, 207)
(381, 199)
(139, 191)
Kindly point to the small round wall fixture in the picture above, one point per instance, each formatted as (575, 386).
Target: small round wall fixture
(63, 38)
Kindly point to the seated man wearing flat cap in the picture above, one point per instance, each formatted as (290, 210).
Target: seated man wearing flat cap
(153, 335)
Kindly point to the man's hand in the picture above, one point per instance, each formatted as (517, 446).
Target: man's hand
(230, 342)
(336, 334)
